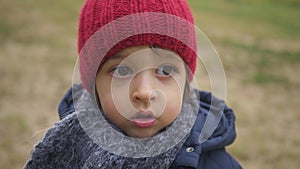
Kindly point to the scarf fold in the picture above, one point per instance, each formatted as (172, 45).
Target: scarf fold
(102, 159)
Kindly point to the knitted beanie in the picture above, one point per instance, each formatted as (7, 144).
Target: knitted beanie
(108, 26)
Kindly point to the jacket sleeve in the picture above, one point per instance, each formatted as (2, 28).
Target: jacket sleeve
(218, 159)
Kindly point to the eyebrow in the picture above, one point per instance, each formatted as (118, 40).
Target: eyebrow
(155, 50)
(116, 56)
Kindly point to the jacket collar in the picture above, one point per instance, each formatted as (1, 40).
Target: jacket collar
(223, 135)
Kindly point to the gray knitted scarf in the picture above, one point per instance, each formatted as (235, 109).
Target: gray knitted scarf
(104, 160)
(85, 139)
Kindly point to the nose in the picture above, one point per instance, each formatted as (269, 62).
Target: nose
(143, 88)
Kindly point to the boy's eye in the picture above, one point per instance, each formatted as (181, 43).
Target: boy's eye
(166, 70)
(121, 71)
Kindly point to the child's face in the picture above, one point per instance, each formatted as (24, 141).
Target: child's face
(141, 89)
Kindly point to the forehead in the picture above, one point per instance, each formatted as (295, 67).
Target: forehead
(143, 52)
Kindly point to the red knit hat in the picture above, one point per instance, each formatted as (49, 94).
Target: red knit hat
(108, 26)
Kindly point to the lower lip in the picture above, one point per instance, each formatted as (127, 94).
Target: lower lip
(144, 123)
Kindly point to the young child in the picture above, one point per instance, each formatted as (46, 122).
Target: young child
(136, 107)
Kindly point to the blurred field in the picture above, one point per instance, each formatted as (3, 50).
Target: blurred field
(258, 41)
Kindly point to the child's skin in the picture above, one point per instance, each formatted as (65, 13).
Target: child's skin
(151, 80)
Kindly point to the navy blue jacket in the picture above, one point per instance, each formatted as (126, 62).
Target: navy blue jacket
(210, 154)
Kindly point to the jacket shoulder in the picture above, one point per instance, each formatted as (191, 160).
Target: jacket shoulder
(217, 159)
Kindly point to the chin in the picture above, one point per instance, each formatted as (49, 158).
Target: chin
(141, 134)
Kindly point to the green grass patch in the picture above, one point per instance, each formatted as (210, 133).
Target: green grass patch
(36, 22)
(279, 57)
(6, 30)
(278, 18)
(265, 78)
(292, 57)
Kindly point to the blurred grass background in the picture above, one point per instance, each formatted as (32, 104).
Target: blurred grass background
(257, 40)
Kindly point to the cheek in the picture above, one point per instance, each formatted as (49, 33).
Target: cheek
(174, 104)
(109, 110)
(171, 112)
(108, 103)
(105, 102)
(174, 94)
(104, 96)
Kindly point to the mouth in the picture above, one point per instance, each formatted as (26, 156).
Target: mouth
(144, 119)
